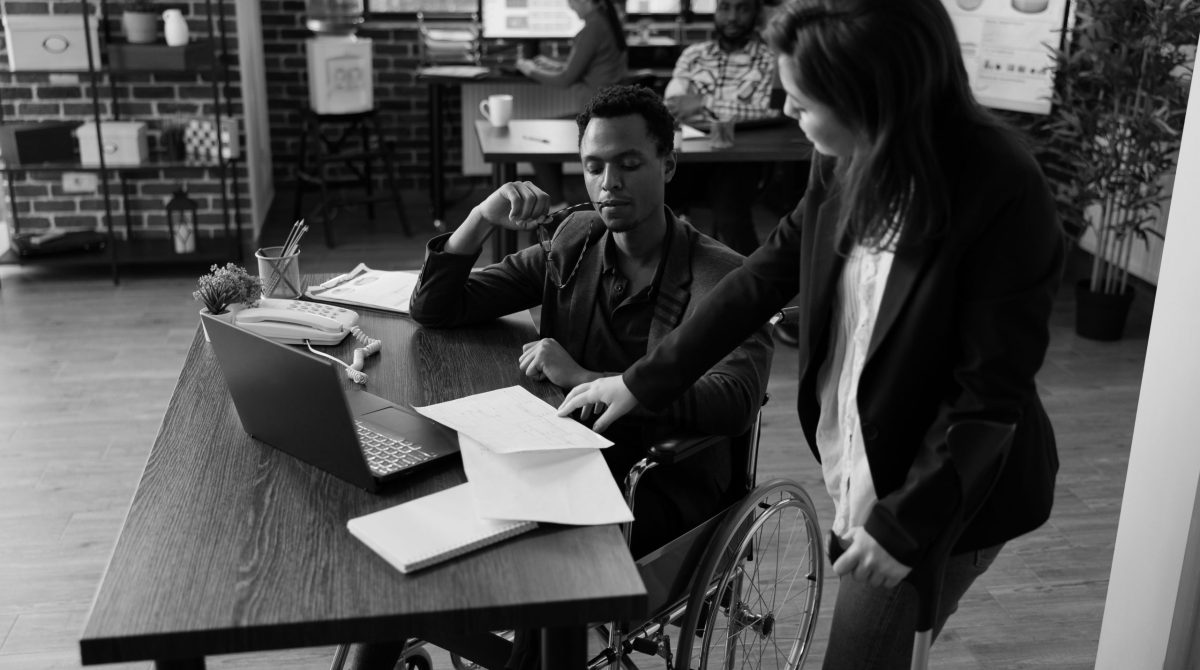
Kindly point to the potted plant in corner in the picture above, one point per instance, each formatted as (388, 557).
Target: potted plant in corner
(227, 290)
(1109, 146)
(139, 21)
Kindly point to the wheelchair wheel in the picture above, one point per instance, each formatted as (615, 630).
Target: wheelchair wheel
(417, 659)
(755, 596)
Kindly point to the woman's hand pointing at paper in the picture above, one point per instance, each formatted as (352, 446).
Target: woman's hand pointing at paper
(608, 392)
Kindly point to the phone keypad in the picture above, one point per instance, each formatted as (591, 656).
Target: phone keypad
(386, 455)
(317, 308)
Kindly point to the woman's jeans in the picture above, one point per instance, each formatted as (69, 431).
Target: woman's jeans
(873, 627)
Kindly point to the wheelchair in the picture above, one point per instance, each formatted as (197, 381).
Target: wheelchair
(740, 590)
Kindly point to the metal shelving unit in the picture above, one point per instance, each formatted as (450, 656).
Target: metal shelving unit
(132, 249)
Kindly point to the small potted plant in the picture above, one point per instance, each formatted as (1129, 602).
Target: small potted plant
(227, 290)
(139, 20)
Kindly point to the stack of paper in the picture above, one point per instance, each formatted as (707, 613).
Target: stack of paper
(524, 464)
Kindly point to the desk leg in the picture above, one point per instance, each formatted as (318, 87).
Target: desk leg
(437, 183)
(504, 241)
(564, 648)
(180, 664)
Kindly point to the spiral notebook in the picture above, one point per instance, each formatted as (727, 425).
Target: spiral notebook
(432, 529)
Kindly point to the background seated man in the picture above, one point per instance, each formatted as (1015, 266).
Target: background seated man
(614, 281)
(730, 77)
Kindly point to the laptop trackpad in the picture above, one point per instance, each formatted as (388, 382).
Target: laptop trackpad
(434, 437)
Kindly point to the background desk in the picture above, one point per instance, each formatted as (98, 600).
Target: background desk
(232, 546)
(531, 100)
(558, 140)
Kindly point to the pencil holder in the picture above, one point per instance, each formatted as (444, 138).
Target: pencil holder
(280, 274)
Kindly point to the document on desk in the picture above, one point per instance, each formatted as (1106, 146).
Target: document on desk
(568, 486)
(512, 419)
(388, 290)
(432, 529)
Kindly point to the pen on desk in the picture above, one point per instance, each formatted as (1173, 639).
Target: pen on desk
(535, 139)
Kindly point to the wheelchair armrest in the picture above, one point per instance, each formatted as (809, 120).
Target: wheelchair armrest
(675, 449)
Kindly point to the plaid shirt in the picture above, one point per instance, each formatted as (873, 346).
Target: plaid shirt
(734, 84)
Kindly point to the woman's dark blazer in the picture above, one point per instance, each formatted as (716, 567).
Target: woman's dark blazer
(960, 335)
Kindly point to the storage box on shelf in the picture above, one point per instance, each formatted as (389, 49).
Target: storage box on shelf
(41, 42)
(121, 153)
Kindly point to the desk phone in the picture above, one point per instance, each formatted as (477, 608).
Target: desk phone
(294, 321)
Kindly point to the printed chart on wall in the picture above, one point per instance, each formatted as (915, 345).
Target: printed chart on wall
(1007, 46)
(528, 19)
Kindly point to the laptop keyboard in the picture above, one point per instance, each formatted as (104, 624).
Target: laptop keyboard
(386, 455)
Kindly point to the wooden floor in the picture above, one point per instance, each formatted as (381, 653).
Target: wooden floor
(86, 369)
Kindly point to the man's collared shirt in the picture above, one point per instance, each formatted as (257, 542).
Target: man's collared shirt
(620, 328)
(734, 84)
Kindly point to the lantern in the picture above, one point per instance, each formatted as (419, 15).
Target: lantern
(181, 221)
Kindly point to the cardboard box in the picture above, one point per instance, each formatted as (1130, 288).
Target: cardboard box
(42, 42)
(341, 79)
(124, 143)
(38, 142)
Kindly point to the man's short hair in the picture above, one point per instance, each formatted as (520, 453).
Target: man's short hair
(617, 101)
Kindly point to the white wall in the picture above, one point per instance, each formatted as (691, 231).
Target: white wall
(1151, 565)
(254, 97)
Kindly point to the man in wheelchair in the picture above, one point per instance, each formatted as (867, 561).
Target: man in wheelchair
(612, 278)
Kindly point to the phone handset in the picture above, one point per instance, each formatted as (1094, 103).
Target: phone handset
(294, 321)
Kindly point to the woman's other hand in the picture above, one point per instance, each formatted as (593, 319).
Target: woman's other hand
(608, 392)
(867, 561)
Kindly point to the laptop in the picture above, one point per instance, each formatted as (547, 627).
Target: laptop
(296, 403)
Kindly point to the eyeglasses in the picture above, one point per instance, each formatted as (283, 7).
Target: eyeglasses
(545, 235)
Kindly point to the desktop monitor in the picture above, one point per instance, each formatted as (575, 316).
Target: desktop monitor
(653, 7)
(528, 19)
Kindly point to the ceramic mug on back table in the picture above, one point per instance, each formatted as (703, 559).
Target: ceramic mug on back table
(497, 109)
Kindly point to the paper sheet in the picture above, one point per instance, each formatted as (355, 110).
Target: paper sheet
(691, 132)
(511, 420)
(362, 286)
(570, 486)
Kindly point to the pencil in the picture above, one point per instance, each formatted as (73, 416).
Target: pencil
(535, 139)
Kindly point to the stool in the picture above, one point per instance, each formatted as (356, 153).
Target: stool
(320, 151)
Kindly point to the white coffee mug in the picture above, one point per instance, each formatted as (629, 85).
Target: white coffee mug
(497, 109)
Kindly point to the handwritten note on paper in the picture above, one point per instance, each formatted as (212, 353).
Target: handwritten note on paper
(512, 419)
(570, 486)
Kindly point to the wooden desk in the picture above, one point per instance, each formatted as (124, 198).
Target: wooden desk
(557, 140)
(231, 546)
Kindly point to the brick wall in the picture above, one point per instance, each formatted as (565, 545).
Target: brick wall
(40, 203)
(399, 97)
(402, 100)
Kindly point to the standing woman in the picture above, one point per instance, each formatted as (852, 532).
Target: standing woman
(925, 256)
(597, 59)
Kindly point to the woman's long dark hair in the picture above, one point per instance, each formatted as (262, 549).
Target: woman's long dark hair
(893, 71)
(614, 22)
